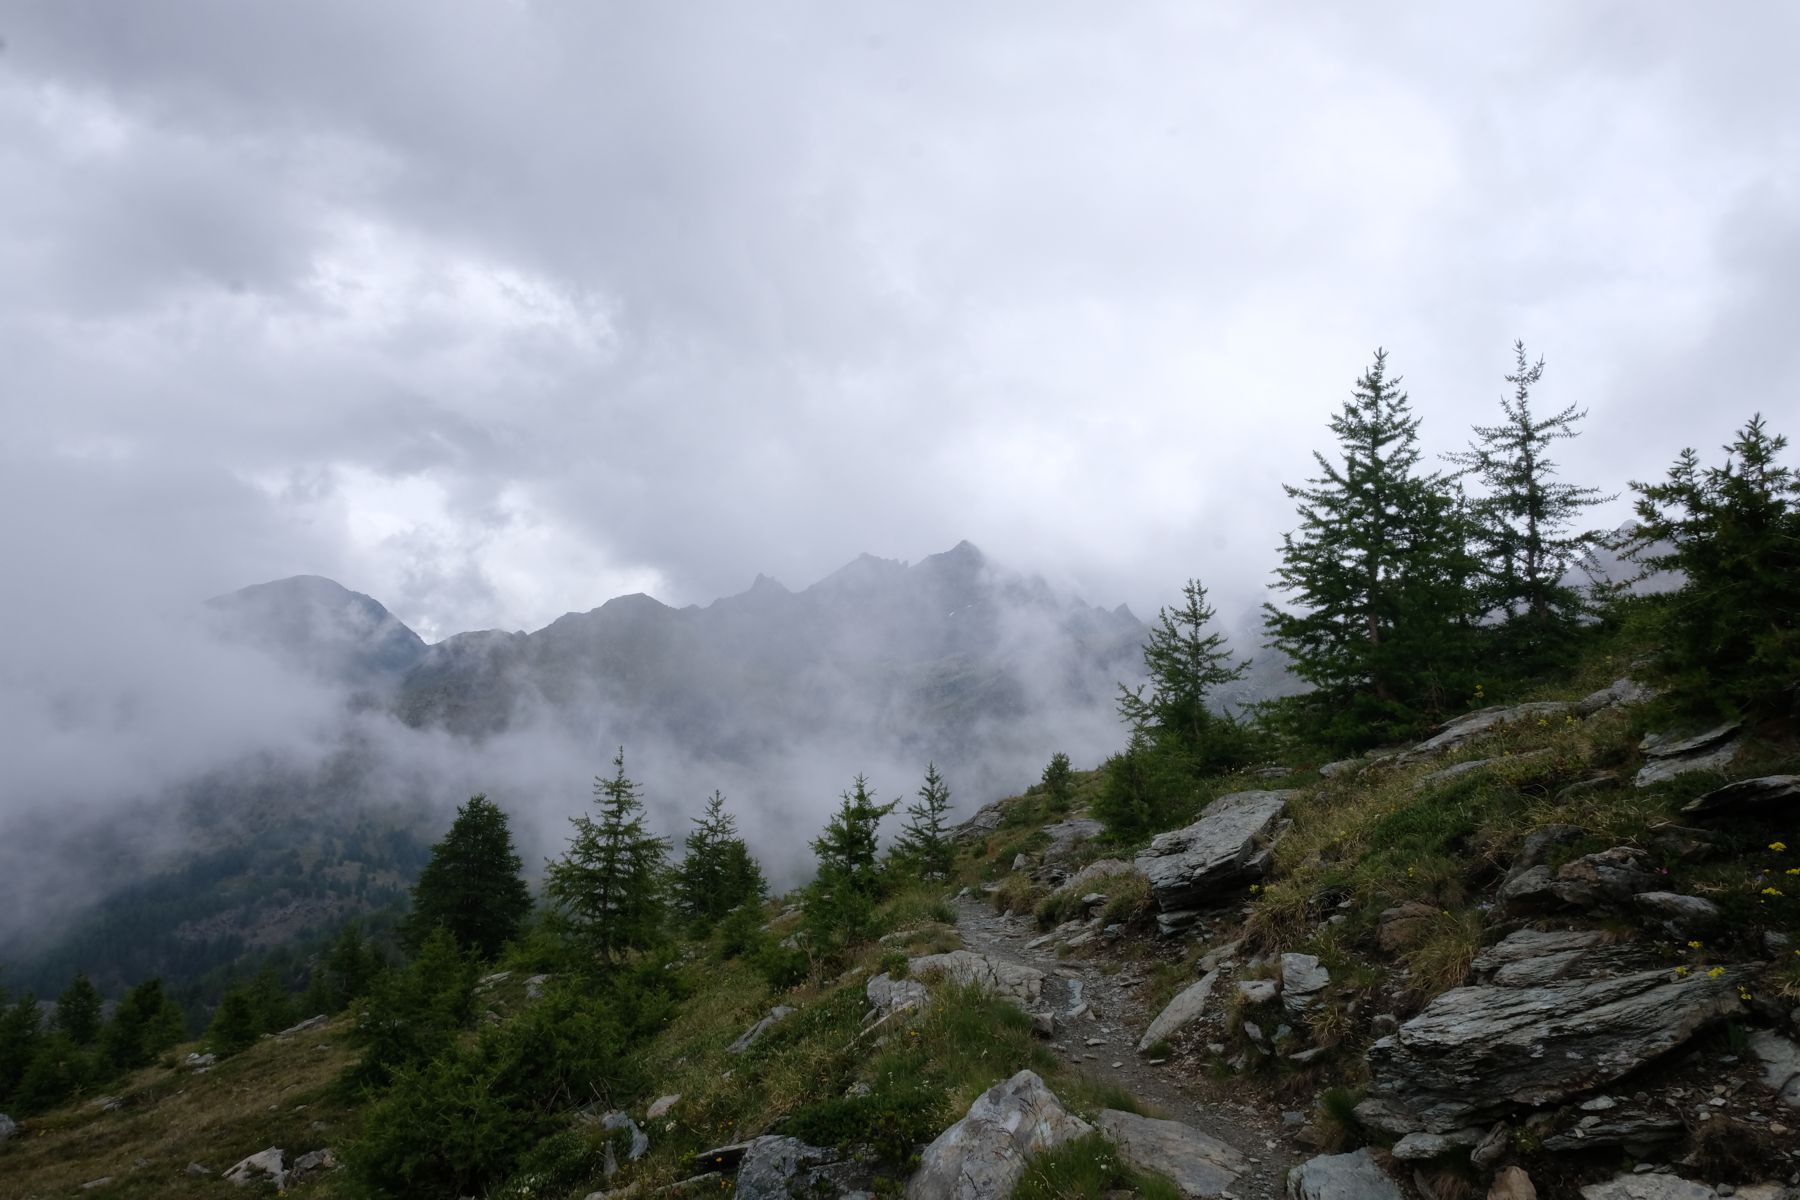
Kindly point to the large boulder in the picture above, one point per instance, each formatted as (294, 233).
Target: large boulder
(1475, 1053)
(1197, 1163)
(1609, 878)
(1020, 983)
(982, 1156)
(786, 1168)
(1341, 1177)
(265, 1165)
(1218, 854)
(1066, 836)
(1180, 1012)
(1771, 794)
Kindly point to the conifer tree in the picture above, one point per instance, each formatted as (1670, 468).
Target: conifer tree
(1184, 663)
(923, 846)
(1058, 781)
(21, 1028)
(841, 900)
(78, 1010)
(718, 873)
(1522, 525)
(471, 886)
(234, 1025)
(1379, 573)
(147, 1022)
(610, 882)
(1733, 533)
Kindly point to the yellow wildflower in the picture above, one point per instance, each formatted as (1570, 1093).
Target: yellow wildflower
(1715, 972)
(1778, 847)
(1682, 972)
(1693, 945)
(1771, 891)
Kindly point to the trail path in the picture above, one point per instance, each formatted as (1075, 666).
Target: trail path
(1103, 1046)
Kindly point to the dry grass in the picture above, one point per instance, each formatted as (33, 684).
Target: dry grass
(270, 1095)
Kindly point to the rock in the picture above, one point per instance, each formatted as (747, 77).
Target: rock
(1538, 844)
(313, 1162)
(1601, 880)
(1024, 984)
(1065, 836)
(722, 1158)
(1647, 1187)
(101, 1182)
(1475, 1052)
(106, 1103)
(199, 1170)
(1405, 926)
(778, 1168)
(1218, 854)
(1258, 991)
(659, 1107)
(1771, 793)
(195, 1061)
(1171, 924)
(1219, 955)
(498, 977)
(1682, 917)
(1043, 1024)
(1466, 729)
(986, 819)
(1491, 1148)
(1340, 1177)
(1198, 1164)
(756, 1031)
(1271, 772)
(1670, 755)
(534, 987)
(982, 1156)
(640, 1141)
(1512, 1183)
(306, 1026)
(1417, 1147)
(1342, 766)
(263, 1165)
(1780, 1059)
(1639, 1131)
(1302, 979)
(8, 1127)
(1179, 1013)
(1527, 957)
(892, 995)
(1621, 694)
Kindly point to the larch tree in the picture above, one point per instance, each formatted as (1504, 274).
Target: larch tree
(923, 846)
(1185, 661)
(1379, 576)
(611, 882)
(471, 886)
(841, 901)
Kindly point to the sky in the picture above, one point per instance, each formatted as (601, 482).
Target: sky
(496, 311)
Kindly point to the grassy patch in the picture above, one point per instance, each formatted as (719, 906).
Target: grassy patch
(1088, 1168)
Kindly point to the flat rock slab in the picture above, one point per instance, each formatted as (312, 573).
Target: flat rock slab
(1475, 1053)
(1780, 1061)
(1341, 1177)
(1180, 1012)
(1664, 769)
(753, 1034)
(1467, 728)
(1676, 745)
(1218, 854)
(982, 1156)
(779, 1168)
(264, 1165)
(1768, 793)
(1065, 836)
(1197, 1163)
(1648, 1186)
(1024, 984)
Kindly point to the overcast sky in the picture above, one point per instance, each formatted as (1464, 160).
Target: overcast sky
(497, 310)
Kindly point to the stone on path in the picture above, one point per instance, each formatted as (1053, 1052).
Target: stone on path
(982, 1156)
(1512, 1183)
(1648, 1187)
(1218, 854)
(966, 967)
(1197, 1163)
(1341, 1177)
(1179, 1013)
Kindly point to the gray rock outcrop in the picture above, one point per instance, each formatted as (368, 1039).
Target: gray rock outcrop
(1780, 1061)
(1084, 879)
(755, 1032)
(1219, 854)
(638, 1144)
(1066, 836)
(1186, 1008)
(780, 1168)
(1609, 878)
(1772, 793)
(1302, 979)
(982, 1156)
(1197, 1163)
(887, 996)
(1340, 1177)
(1648, 1187)
(1477, 1052)
(263, 1165)
(1621, 693)
(1467, 728)
(1682, 917)
(1670, 755)
(1021, 983)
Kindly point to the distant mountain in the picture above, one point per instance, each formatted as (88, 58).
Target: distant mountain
(320, 626)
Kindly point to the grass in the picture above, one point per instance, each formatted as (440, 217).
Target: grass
(272, 1094)
(1088, 1168)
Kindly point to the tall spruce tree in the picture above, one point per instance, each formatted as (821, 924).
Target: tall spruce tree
(840, 904)
(1523, 524)
(471, 886)
(610, 883)
(1380, 575)
(78, 1010)
(1733, 533)
(923, 846)
(717, 874)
